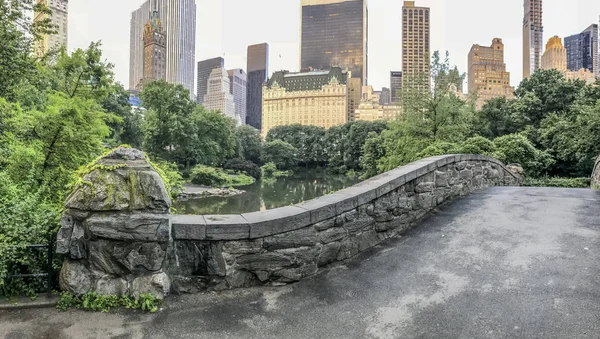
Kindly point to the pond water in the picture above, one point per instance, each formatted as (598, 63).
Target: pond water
(268, 194)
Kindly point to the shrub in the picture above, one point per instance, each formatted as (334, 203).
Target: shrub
(209, 176)
(269, 169)
(25, 218)
(170, 174)
(284, 155)
(559, 182)
(248, 167)
(516, 148)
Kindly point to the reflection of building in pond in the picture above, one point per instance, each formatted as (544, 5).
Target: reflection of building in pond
(370, 108)
(317, 98)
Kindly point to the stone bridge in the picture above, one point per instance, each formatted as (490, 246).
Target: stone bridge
(120, 237)
(484, 262)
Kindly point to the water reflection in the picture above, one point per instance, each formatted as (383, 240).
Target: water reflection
(268, 194)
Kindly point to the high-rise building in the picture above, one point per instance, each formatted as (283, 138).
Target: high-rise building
(395, 86)
(318, 98)
(237, 81)
(60, 19)
(370, 108)
(582, 50)
(416, 51)
(354, 95)
(205, 68)
(179, 22)
(218, 97)
(334, 33)
(155, 47)
(386, 96)
(555, 57)
(533, 36)
(488, 77)
(257, 68)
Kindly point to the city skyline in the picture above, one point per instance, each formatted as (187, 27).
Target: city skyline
(216, 35)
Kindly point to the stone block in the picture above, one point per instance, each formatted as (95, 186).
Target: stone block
(345, 204)
(200, 258)
(425, 201)
(441, 179)
(332, 234)
(367, 240)
(329, 254)
(466, 175)
(78, 243)
(108, 285)
(325, 224)
(243, 246)
(306, 236)
(188, 227)
(132, 226)
(158, 285)
(270, 261)
(241, 278)
(320, 209)
(121, 258)
(277, 221)
(226, 227)
(63, 237)
(425, 187)
(348, 249)
(75, 277)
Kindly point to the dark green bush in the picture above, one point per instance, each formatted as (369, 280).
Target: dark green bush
(559, 182)
(245, 166)
(209, 176)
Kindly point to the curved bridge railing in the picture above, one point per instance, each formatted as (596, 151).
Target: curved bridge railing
(284, 245)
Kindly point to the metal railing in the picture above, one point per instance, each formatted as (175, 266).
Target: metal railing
(49, 269)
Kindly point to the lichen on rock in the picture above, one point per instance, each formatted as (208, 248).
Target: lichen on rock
(116, 227)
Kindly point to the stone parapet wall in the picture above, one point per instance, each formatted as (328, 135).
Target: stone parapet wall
(284, 245)
(596, 175)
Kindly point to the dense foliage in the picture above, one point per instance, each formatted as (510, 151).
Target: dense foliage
(550, 127)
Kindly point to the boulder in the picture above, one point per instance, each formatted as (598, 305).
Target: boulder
(116, 226)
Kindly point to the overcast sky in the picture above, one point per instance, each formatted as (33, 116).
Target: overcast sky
(226, 27)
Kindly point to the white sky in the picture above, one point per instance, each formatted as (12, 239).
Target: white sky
(226, 27)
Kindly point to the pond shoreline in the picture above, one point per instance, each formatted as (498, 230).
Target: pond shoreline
(192, 192)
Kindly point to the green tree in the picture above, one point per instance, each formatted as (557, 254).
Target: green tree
(17, 63)
(307, 139)
(169, 130)
(516, 148)
(281, 153)
(249, 143)
(496, 118)
(216, 138)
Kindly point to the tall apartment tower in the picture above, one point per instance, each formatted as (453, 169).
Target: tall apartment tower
(488, 77)
(533, 37)
(257, 68)
(217, 96)
(237, 88)
(416, 51)
(205, 67)
(60, 19)
(155, 47)
(395, 86)
(179, 22)
(582, 50)
(334, 33)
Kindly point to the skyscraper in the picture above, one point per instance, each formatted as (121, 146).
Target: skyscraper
(205, 67)
(217, 96)
(555, 57)
(237, 88)
(179, 21)
(533, 37)
(582, 50)
(488, 77)
(416, 51)
(334, 33)
(386, 97)
(155, 46)
(257, 68)
(60, 19)
(395, 86)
